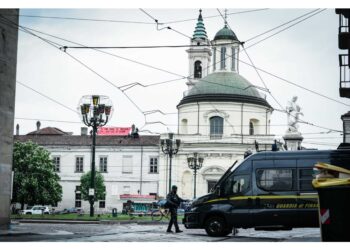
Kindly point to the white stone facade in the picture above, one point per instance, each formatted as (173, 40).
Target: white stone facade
(130, 170)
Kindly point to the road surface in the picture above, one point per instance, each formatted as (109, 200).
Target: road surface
(141, 233)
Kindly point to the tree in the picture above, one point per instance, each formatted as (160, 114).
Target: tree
(35, 180)
(100, 189)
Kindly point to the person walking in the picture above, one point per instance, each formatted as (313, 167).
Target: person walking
(173, 202)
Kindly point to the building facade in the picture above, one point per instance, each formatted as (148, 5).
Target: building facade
(129, 166)
(220, 117)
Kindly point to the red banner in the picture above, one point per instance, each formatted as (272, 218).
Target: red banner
(113, 131)
(136, 196)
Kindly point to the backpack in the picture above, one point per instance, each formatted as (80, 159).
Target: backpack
(163, 203)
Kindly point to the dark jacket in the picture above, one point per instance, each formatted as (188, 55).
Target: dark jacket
(173, 200)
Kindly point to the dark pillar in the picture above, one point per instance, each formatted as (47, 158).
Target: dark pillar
(8, 64)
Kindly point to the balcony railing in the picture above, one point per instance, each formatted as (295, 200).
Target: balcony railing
(344, 88)
(344, 32)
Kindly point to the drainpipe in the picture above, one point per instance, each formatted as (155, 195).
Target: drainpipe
(141, 170)
(166, 176)
(266, 122)
(197, 118)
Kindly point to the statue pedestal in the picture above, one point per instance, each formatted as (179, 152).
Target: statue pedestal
(293, 140)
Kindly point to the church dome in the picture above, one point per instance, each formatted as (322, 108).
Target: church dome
(225, 33)
(224, 87)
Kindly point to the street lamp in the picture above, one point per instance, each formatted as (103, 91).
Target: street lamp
(95, 111)
(195, 163)
(170, 147)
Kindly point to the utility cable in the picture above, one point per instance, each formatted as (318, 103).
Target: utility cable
(89, 68)
(47, 97)
(309, 123)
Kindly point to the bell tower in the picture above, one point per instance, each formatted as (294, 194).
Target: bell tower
(199, 54)
(225, 50)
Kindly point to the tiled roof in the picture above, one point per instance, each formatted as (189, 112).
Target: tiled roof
(48, 131)
(84, 140)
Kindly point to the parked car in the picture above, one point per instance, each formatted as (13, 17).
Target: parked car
(36, 210)
(72, 210)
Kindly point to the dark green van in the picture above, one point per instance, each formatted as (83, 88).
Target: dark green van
(267, 191)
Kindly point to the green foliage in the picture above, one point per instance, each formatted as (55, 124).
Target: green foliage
(100, 189)
(35, 181)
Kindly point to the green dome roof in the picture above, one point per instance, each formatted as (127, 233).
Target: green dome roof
(225, 33)
(224, 86)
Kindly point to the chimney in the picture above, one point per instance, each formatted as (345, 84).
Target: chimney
(38, 124)
(83, 130)
(17, 129)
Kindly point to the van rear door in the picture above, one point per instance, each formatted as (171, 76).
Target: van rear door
(307, 195)
(275, 194)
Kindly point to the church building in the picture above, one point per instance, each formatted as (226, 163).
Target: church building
(220, 117)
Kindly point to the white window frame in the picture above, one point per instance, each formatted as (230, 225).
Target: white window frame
(76, 157)
(127, 169)
(99, 164)
(152, 165)
(55, 163)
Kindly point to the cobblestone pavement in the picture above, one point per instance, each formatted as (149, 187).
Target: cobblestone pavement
(142, 233)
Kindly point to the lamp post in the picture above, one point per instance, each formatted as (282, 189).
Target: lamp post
(170, 147)
(95, 111)
(195, 163)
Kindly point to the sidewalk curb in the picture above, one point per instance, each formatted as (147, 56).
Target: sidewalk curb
(56, 221)
(104, 222)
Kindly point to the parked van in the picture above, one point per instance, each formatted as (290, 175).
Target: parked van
(267, 191)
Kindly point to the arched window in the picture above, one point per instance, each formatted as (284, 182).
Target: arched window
(216, 127)
(184, 126)
(198, 69)
(233, 67)
(251, 128)
(214, 59)
(223, 58)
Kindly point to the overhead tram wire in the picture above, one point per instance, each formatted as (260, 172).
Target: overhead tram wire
(82, 19)
(267, 38)
(86, 66)
(308, 123)
(190, 45)
(134, 61)
(259, 69)
(311, 133)
(257, 72)
(156, 21)
(281, 25)
(282, 109)
(124, 21)
(207, 17)
(252, 64)
(47, 97)
(167, 27)
(285, 29)
(45, 120)
(207, 67)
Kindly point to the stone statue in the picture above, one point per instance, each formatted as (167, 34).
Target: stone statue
(293, 113)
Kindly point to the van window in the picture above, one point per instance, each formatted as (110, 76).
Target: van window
(305, 179)
(275, 179)
(237, 184)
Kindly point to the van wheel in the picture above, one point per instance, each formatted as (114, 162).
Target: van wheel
(28, 213)
(216, 227)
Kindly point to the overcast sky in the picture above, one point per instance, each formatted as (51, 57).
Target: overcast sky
(306, 54)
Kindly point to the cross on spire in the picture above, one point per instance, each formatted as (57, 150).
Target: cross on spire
(225, 17)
